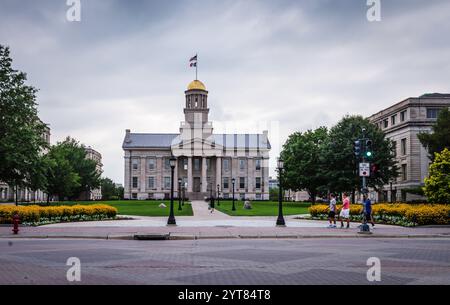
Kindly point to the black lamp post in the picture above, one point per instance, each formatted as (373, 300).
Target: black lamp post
(184, 192)
(218, 195)
(171, 220)
(232, 182)
(179, 194)
(211, 196)
(280, 219)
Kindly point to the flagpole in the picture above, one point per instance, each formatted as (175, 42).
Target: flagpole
(196, 67)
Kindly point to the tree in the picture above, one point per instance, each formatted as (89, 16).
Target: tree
(20, 127)
(70, 173)
(439, 139)
(62, 180)
(305, 166)
(437, 185)
(109, 189)
(343, 164)
(86, 169)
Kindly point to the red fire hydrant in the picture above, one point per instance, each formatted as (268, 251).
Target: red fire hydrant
(16, 220)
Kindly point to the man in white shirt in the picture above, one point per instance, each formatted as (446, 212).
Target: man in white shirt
(332, 212)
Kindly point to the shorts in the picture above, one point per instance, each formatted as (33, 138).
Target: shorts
(332, 214)
(345, 213)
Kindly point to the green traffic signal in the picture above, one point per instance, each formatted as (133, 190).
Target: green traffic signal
(369, 154)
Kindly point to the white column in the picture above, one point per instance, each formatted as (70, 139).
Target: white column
(218, 173)
(142, 182)
(175, 179)
(204, 180)
(189, 175)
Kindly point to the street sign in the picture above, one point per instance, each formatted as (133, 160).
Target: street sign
(364, 169)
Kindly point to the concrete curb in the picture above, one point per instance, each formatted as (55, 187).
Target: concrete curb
(181, 236)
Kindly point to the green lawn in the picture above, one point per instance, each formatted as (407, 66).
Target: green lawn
(138, 207)
(263, 208)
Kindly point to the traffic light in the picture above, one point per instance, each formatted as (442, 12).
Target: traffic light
(357, 148)
(369, 152)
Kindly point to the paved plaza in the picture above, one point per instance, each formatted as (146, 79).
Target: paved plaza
(229, 261)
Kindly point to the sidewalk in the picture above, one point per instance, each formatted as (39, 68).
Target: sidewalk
(207, 225)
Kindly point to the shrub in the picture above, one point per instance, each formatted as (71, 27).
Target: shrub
(34, 214)
(399, 214)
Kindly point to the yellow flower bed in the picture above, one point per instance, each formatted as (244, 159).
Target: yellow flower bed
(399, 213)
(35, 214)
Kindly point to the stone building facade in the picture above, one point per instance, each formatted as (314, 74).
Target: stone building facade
(401, 123)
(205, 161)
(92, 154)
(8, 193)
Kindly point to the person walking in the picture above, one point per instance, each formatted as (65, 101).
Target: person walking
(367, 210)
(332, 212)
(345, 211)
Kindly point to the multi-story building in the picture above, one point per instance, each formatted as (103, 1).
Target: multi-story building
(95, 194)
(8, 193)
(401, 123)
(204, 159)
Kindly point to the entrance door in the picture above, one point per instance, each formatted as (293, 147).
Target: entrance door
(197, 184)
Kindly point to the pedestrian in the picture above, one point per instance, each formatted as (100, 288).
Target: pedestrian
(367, 210)
(345, 211)
(332, 212)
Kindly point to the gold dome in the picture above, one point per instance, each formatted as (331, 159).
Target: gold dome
(196, 85)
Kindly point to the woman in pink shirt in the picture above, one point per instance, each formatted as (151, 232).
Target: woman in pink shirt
(345, 211)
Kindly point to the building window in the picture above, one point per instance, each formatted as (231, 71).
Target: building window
(134, 195)
(242, 164)
(432, 113)
(258, 164)
(226, 183)
(403, 116)
(196, 164)
(393, 119)
(135, 164)
(151, 164)
(394, 148)
(151, 182)
(242, 196)
(167, 183)
(226, 165)
(135, 182)
(150, 195)
(185, 163)
(404, 172)
(208, 164)
(166, 163)
(403, 147)
(386, 123)
(242, 182)
(258, 182)
(258, 196)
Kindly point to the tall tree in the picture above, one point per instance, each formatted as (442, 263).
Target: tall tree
(437, 185)
(62, 179)
(21, 131)
(342, 162)
(439, 139)
(108, 188)
(305, 165)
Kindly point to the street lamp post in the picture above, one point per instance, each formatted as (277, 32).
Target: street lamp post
(218, 200)
(232, 182)
(179, 194)
(171, 220)
(211, 199)
(280, 219)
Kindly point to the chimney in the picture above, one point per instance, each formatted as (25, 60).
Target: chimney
(127, 136)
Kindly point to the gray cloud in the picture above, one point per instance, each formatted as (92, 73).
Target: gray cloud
(300, 63)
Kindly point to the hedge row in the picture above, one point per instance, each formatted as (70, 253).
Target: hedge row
(398, 214)
(34, 215)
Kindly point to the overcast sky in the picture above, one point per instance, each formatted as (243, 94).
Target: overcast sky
(287, 65)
